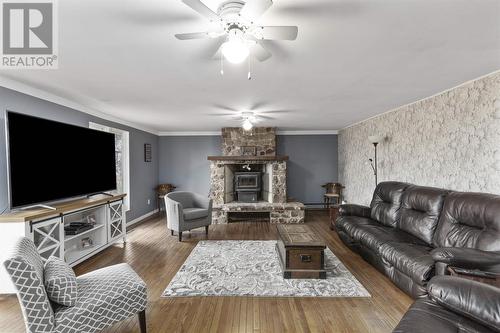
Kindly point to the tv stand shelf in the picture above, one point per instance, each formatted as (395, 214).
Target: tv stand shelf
(46, 228)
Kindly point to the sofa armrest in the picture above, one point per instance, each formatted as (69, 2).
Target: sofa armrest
(354, 210)
(468, 258)
(475, 300)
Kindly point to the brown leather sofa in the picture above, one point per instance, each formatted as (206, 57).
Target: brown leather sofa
(411, 233)
(454, 305)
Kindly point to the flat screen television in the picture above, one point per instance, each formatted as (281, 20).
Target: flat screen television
(50, 161)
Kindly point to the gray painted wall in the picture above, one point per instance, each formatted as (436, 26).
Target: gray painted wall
(143, 176)
(183, 161)
(313, 162)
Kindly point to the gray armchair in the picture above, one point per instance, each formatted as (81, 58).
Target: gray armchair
(186, 211)
(105, 296)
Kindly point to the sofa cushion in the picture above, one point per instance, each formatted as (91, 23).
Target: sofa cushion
(105, 296)
(374, 237)
(194, 213)
(420, 209)
(349, 223)
(412, 259)
(425, 316)
(60, 282)
(386, 202)
(469, 220)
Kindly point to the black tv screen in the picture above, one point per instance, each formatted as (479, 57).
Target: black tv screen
(49, 160)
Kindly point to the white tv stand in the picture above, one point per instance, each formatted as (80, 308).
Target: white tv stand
(46, 228)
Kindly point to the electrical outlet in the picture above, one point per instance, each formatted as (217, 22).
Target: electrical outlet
(149, 201)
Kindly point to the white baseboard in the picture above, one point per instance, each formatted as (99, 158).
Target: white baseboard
(140, 218)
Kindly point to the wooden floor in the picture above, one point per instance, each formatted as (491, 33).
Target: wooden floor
(156, 256)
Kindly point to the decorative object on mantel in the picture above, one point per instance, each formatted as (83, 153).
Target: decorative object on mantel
(147, 152)
(375, 140)
(248, 151)
(161, 191)
(333, 191)
(255, 271)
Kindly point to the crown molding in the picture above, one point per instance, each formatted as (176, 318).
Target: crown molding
(311, 132)
(217, 133)
(53, 98)
(189, 133)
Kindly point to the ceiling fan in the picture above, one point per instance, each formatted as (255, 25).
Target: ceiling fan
(253, 114)
(235, 29)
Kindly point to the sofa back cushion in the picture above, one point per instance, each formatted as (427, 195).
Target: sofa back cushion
(420, 210)
(386, 202)
(469, 220)
(25, 267)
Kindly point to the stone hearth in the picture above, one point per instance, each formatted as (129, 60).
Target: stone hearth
(290, 212)
(262, 143)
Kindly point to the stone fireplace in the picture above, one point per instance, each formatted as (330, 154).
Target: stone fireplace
(250, 178)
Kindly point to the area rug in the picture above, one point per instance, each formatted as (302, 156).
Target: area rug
(252, 268)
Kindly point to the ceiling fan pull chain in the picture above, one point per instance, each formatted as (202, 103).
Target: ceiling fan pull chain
(249, 70)
(221, 64)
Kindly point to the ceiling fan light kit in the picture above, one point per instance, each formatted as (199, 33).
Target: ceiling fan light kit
(235, 19)
(235, 50)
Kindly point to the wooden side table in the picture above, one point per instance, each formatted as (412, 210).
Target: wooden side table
(334, 213)
(476, 275)
(161, 191)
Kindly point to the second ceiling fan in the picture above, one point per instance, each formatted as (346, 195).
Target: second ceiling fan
(234, 27)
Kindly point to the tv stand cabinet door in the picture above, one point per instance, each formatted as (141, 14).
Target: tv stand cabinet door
(48, 236)
(116, 221)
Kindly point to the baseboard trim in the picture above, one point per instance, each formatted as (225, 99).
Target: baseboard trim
(142, 218)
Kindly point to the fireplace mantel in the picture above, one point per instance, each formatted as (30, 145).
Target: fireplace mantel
(248, 158)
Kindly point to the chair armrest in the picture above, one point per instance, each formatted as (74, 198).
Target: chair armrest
(468, 258)
(475, 300)
(354, 210)
(175, 214)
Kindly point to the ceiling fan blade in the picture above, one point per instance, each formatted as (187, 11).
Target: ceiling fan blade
(265, 117)
(276, 111)
(202, 9)
(193, 35)
(260, 52)
(253, 9)
(224, 107)
(213, 51)
(277, 32)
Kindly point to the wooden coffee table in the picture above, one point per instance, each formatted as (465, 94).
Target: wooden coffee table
(301, 252)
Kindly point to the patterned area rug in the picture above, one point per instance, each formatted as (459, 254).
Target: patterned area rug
(252, 268)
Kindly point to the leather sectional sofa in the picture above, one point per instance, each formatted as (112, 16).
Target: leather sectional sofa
(454, 305)
(411, 233)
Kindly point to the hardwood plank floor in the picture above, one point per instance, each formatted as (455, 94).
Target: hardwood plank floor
(156, 256)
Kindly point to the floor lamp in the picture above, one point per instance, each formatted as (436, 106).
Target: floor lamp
(375, 140)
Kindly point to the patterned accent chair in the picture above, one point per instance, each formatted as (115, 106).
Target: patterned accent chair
(186, 211)
(105, 296)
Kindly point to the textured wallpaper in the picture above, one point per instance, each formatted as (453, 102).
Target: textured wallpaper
(451, 140)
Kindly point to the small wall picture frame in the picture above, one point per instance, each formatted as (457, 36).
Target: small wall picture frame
(248, 150)
(148, 152)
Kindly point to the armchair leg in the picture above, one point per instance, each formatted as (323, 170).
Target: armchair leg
(180, 236)
(206, 230)
(142, 321)
(171, 232)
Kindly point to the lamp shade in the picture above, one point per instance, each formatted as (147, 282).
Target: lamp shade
(376, 138)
